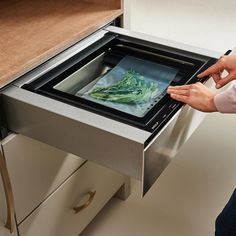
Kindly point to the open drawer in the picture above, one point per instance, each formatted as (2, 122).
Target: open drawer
(51, 102)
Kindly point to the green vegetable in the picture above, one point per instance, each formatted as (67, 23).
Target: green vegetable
(131, 89)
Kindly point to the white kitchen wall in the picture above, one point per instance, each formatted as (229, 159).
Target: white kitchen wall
(207, 24)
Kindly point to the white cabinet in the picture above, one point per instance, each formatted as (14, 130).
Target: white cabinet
(56, 217)
(35, 170)
(3, 215)
(7, 218)
(6, 232)
(47, 183)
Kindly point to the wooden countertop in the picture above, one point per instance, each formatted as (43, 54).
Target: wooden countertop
(33, 31)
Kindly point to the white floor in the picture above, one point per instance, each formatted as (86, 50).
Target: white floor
(196, 185)
(189, 194)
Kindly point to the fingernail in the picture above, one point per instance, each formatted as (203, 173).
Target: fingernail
(218, 86)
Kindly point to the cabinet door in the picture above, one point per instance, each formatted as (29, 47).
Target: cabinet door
(6, 215)
(35, 170)
(6, 232)
(89, 189)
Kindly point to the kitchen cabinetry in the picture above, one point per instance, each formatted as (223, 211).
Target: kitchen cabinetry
(91, 184)
(35, 170)
(6, 232)
(47, 183)
(7, 219)
(32, 32)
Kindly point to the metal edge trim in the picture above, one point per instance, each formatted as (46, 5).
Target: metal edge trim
(59, 58)
(165, 42)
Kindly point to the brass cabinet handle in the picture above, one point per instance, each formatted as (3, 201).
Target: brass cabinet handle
(8, 194)
(91, 194)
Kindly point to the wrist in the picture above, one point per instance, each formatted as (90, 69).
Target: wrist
(212, 106)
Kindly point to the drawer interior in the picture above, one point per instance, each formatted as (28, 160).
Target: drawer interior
(122, 80)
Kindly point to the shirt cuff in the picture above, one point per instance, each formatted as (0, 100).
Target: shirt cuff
(225, 102)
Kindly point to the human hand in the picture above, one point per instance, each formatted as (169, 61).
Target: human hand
(198, 96)
(227, 63)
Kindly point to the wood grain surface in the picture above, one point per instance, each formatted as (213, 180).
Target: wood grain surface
(113, 4)
(33, 31)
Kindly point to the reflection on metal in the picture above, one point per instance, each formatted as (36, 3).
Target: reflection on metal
(83, 76)
(163, 149)
(154, 165)
(8, 193)
(60, 58)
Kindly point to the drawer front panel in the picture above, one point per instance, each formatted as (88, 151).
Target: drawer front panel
(56, 217)
(35, 170)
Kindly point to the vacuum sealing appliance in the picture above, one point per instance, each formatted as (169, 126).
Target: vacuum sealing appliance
(105, 100)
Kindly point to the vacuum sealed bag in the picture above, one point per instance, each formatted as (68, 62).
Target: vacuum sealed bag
(133, 86)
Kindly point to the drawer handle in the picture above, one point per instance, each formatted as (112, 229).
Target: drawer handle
(91, 195)
(8, 194)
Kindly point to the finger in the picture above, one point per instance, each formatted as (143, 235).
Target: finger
(184, 92)
(226, 80)
(180, 98)
(214, 69)
(186, 86)
(216, 77)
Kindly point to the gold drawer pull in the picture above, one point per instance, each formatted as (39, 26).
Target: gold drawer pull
(91, 194)
(8, 193)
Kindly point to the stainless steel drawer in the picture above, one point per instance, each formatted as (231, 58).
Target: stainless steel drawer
(94, 137)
